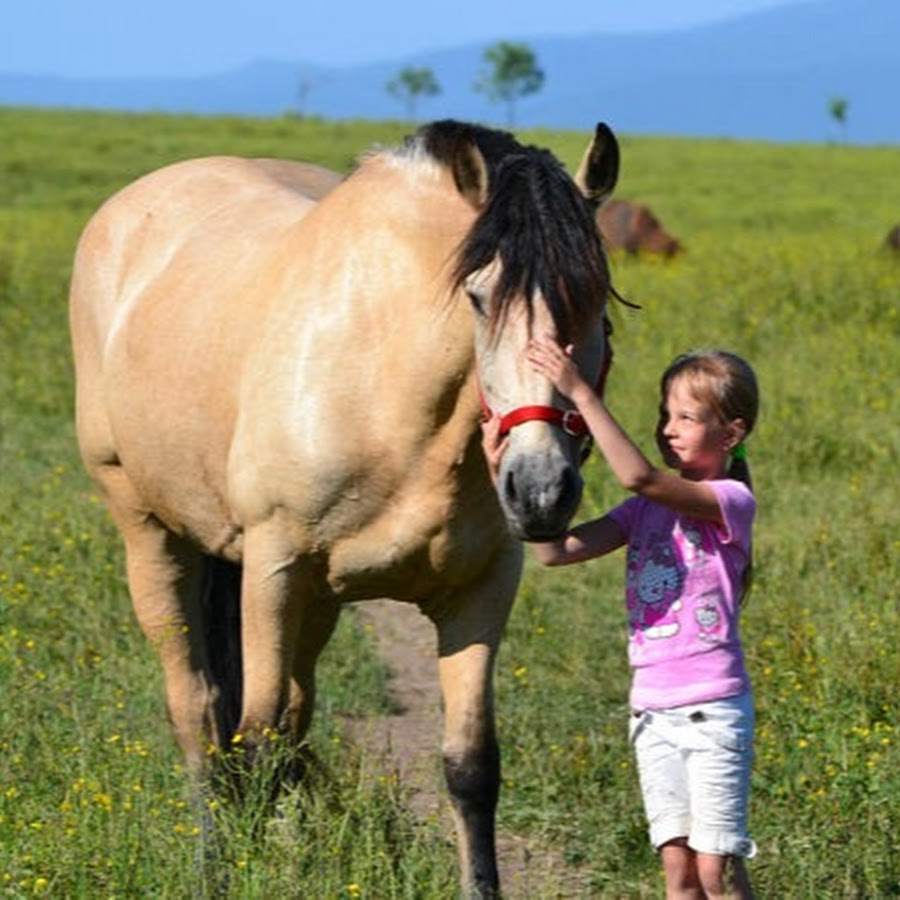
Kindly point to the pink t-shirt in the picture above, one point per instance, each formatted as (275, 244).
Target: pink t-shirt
(683, 587)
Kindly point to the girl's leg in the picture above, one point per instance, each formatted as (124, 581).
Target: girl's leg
(667, 803)
(680, 867)
(723, 876)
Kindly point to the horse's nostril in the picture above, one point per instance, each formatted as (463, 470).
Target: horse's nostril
(570, 488)
(510, 489)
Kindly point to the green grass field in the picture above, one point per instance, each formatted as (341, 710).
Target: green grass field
(783, 265)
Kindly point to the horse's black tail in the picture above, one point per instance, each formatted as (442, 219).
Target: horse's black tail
(222, 633)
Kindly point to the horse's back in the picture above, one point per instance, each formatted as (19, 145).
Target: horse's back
(220, 209)
(308, 179)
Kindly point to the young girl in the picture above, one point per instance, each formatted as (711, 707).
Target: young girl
(688, 567)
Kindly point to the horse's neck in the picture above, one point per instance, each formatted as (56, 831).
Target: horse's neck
(367, 320)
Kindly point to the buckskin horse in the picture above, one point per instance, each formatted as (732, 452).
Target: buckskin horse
(281, 372)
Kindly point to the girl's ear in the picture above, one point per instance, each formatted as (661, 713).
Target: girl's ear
(734, 434)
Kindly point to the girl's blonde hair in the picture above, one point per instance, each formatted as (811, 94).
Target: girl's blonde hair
(726, 384)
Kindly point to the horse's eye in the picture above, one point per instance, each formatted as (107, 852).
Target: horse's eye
(477, 299)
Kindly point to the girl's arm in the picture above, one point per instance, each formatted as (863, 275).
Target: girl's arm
(632, 469)
(586, 541)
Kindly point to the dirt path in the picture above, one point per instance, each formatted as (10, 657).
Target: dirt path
(408, 742)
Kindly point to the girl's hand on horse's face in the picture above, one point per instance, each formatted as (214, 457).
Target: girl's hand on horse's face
(555, 364)
(493, 445)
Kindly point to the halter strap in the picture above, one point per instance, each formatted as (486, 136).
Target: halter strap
(570, 420)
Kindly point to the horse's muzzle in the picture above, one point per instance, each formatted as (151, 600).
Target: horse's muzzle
(539, 495)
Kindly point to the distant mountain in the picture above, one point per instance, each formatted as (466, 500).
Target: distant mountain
(767, 76)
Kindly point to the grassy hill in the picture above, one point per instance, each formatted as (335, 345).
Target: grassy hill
(783, 265)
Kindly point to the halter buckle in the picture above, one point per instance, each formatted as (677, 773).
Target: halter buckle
(572, 423)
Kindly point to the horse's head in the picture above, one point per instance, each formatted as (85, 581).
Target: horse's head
(533, 264)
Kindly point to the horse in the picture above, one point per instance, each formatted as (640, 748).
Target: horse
(280, 378)
(634, 228)
(892, 239)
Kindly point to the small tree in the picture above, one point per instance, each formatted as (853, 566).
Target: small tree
(837, 109)
(411, 83)
(512, 73)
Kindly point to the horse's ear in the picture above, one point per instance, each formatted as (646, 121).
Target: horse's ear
(599, 169)
(470, 173)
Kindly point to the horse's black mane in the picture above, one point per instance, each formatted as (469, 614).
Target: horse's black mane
(537, 222)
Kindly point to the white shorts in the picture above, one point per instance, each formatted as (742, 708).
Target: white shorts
(694, 767)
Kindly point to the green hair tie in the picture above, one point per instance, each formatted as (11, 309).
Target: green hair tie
(739, 452)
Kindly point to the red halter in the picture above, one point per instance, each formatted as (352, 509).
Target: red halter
(570, 420)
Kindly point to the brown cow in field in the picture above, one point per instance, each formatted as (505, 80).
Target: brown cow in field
(892, 241)
(632, 227)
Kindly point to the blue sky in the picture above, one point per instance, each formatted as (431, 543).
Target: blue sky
(200, 37)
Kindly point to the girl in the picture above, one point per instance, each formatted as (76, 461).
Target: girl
(688, 568)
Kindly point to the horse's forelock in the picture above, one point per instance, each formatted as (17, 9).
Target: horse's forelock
(543, 232)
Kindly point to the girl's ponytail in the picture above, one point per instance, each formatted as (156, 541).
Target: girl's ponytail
(739, 469)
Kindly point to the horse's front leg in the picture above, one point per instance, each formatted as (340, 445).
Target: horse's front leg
(472, 764)
(468, 639)
(284, 626)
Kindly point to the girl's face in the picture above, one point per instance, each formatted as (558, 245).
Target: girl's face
(691, 437)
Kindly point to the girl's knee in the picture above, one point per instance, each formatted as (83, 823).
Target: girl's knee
(723, 876)
(680, 867)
